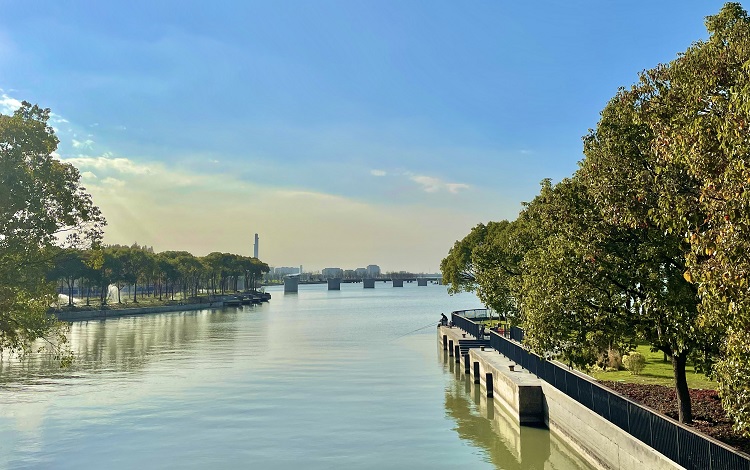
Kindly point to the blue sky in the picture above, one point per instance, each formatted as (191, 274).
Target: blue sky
(345, 133)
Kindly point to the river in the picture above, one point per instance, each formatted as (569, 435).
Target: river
(314, 380)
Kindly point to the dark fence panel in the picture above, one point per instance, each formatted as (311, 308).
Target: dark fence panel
(640, 423)
(664, 437)
(516, 334)
(467, 325)
(694, 450)
(722, 457)
(585, 394)
(600, 401)
(549, 372)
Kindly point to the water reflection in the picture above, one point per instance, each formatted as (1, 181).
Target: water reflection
(128, 344)
(488, 426)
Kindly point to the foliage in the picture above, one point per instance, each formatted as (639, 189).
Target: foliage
(165, 274)
(42, 204)
(649, 239)
(458, 268)
(634, 362)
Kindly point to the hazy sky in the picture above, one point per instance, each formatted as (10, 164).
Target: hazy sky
(345, 133)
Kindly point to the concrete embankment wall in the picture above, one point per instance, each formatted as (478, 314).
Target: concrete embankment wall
(527, 397)
(600, 441)
(122, 312)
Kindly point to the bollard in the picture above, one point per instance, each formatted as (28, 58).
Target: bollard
(450, 347)
(457, 353)
(512, 367)
(467, 365)
(476, 372)
(489, 383)
(445, 342)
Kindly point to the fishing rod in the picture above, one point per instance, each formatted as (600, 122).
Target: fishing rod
(431, 324)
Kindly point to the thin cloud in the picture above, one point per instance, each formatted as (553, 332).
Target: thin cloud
(85, 144)
(430, 184)
(378, 173)
(113, 182)
(109, 163)
(456, 187)
(8, 105)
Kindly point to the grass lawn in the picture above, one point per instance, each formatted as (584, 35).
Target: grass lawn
(656, 372)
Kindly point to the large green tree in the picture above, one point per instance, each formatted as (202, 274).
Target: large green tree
(697, 110)
(42, 204)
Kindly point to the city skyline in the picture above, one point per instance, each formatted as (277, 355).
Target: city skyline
(341, 132)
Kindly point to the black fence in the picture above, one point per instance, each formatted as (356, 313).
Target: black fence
(516, 334)
(465, 324)
(477, 314)
(677, 442)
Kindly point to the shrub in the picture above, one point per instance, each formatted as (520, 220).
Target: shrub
(634, 362)
(609, 359)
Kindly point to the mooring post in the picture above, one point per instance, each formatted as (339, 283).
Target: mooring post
(476, 372)
(445, 342)
(467, 365)
(489, 383)
(457, 353)
(450, 347)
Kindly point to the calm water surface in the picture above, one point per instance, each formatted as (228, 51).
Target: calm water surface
(314, 380)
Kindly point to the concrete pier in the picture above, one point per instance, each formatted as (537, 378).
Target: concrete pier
(532, 401)
(422, 281)
(334, 284)
(368, 283)
(291, 284)
(398, 283)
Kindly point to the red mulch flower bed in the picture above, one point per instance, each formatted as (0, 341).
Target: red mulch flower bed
(708, 415)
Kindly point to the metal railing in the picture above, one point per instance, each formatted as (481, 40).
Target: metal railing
(465, 324)
(676, 441)
(477, 314)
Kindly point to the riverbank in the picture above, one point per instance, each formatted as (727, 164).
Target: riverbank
(79, 315)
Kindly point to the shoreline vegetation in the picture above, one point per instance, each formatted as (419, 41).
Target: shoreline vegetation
(646, 242)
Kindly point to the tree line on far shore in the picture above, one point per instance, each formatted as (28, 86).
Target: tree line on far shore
(649, 240)
(161, 275)
(51, 234)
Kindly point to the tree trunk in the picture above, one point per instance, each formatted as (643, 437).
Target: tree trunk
(684, 407)
(135, 292)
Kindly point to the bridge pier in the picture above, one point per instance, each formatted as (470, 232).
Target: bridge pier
(422, 281)
(398, 283)
(291, 284)
(368, 283)
(334, 284)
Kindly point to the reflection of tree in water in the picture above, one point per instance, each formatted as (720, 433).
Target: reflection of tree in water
(507, 445)
(128, 344)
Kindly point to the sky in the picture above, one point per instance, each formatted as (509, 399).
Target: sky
(344, 133)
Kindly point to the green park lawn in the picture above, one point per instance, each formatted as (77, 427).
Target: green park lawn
(656, 372)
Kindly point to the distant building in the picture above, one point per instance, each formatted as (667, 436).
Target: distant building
(255, 247)
(360, 272)
(332, 273)
(285, 271)
(373, 271)
(350, 274)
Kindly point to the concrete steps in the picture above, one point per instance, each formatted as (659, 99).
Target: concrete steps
(465, 344)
